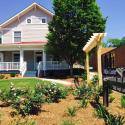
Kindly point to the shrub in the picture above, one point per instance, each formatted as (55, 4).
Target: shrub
(84, 102)
(95, 80)
(54, 92)
(84, 76)
(2, 76)
(29, 105)
(11, 94)
(20, 121)
(123, 101)
(67, 122)
(71, 111)
(111, 98)
(13, 74)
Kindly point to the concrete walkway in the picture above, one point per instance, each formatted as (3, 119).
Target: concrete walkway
(66, 83)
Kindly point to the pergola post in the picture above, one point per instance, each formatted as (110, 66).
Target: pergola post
(99, 62)
(87, 68)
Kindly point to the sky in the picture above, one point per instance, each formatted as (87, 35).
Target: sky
(113, 9)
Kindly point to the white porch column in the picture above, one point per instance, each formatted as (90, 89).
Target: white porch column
(21, 57)
(44, 62)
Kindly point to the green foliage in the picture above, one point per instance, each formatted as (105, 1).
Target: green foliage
(53, 92)
(84, 76)
(109, 119)
(71, 111)
(111, 98)
(123, 101)
(20, 121)
(29, 105)
(84, 102)
(67, 122)
(13, 74)
(115, 120)
(12, 93)
(2, 76)
(72, 25)
(95, 80)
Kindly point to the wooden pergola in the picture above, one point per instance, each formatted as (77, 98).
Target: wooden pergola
(94, 41)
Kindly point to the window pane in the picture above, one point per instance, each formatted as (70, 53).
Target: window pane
(17, 34)
(43, 20)
(17, 39)
(16, 57)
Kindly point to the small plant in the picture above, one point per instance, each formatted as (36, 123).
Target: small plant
(2, 76)
(95, 80)
(101, 111)
(67, 122)
(71, 111)
(84, 102)
(20, 121)
(111, 98)
(84, 76)
(123, 101)
(13, 74)
(115, 120)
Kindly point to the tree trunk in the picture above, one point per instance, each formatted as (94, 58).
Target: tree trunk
(71, 70)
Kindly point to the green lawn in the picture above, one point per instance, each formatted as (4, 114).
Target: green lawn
(22, 83)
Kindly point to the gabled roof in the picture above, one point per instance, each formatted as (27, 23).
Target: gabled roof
(34, 5)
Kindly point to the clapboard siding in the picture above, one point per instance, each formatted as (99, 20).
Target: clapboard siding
(30, 32)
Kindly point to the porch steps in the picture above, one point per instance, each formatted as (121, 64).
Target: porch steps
(30, 74)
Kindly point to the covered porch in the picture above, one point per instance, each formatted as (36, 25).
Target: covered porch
(22, 58)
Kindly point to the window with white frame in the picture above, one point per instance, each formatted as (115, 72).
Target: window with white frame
(28, 21)
(0, 37)
(17, 36)
(43, 20)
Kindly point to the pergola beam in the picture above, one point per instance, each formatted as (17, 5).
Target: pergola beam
(94, 41)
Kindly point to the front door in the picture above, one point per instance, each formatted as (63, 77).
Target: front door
(16, 57)
(38, 58)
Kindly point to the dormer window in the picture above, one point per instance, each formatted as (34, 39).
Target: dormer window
(28, 21)
(44, 20)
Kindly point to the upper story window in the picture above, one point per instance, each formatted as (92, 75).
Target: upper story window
(28, 21)
(0, 37)
(43, 20)
(17, 36)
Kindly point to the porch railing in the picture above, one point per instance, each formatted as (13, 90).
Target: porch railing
(6, 66)
(52, 65)
(9, 66)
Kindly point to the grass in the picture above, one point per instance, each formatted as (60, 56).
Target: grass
(21, 83)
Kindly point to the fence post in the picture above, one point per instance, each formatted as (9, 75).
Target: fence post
(105, 94)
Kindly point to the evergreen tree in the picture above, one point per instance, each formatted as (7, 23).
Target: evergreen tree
(71, 27)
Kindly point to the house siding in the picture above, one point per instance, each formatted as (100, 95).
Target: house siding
(30, 32)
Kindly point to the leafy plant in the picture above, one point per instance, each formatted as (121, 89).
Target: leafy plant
(123, 101)
(71, 111)
(95, 79)
(29, 105)
(13, 74)
(84, 102)
(67, 122)
(101, 111)
(2, 76)
(84, 76)
(53, 92)
(115, 120)
(111, 98)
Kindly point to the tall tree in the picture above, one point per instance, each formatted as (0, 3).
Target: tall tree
(72, 25)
